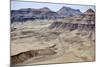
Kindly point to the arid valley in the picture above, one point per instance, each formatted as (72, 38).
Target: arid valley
(53, 39)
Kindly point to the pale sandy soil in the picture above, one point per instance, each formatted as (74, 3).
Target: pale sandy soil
(71, 46)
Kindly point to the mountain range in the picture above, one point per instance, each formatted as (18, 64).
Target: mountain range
(42, 13)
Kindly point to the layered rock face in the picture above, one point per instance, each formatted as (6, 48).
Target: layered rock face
(84, 21)
(24, 56)
(23, 15)
(72, 26)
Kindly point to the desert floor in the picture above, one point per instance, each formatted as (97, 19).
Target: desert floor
(71, 45)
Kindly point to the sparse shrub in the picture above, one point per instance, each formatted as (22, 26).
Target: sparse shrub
(26, 32)
(13, 29)
(56, 33)
(78, 19)
(77, 33)
(13, 34)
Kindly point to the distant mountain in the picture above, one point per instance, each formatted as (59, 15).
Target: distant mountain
(89, 16)
(45, 9)
(90, 10)
(42, 13)
(67, 11)
(31, 14)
